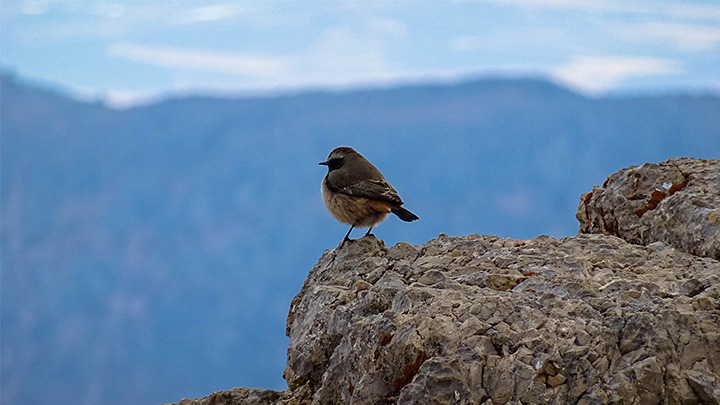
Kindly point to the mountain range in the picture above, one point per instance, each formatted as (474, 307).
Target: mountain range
(151, 253)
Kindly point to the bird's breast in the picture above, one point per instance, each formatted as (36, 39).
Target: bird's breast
(356, 211)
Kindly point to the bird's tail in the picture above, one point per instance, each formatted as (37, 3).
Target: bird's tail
(404, 214)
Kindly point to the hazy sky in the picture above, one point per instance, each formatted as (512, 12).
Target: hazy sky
(131, 50)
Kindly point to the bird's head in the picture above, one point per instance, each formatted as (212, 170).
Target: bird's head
(338, 157)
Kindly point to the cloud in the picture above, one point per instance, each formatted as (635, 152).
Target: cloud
(35, 7)
(670, 10)
(345, 52)
(528, 39)
(339, 57)
(223, 62)
(686, 37)
(388, 26)
(120, 99)
(546, 3)
(213, 12)
(583, 5)
(694, 11)
(598, 74)
(468, 43)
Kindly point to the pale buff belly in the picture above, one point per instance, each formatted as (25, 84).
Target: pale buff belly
(356, 211)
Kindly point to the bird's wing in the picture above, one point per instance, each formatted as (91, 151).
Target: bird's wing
(374, 189)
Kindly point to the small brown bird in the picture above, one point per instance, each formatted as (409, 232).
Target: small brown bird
(357, 194)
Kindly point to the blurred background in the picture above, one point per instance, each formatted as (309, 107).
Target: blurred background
(159, 186)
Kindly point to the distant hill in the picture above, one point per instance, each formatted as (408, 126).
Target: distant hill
(150, 254)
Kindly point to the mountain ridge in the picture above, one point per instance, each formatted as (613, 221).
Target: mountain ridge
(484, 83)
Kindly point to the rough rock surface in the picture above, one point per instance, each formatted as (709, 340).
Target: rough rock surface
(587, 319)
(590, 319)
(677, 202)
(253, 396)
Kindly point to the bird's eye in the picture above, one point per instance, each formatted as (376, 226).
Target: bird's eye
(335, 163)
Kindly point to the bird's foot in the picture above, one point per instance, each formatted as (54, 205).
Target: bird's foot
(345, 239)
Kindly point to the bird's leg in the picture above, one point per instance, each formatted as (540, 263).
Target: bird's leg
(368, 232)
(347, 236)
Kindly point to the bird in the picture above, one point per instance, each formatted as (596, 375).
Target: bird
(357, 194)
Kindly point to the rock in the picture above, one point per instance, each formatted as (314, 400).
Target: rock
(252, 396)
(676, 202)
(704, 382)
(589, 319)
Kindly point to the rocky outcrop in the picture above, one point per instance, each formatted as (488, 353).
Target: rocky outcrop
(590, 319)
(253, 396)
(676, 202)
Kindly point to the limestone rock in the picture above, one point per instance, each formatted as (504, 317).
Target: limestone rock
(676, 202)
(587, 319)
(252, 396)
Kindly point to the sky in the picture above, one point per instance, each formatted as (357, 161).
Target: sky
(132, 52)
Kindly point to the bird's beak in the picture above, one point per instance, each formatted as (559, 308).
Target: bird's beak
(323, 163)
